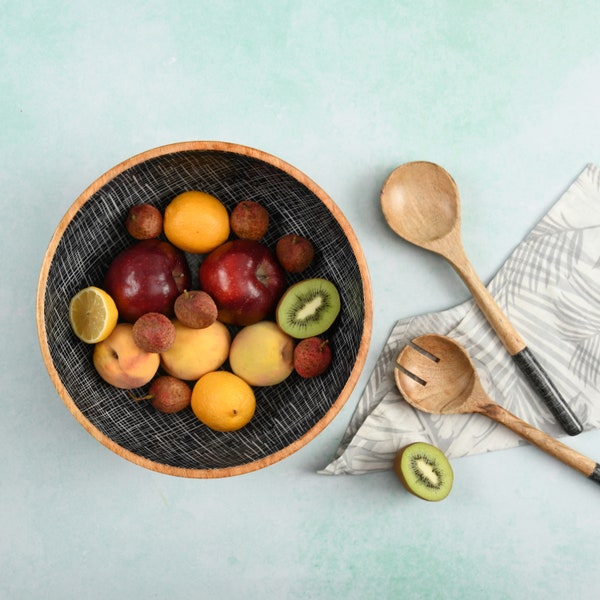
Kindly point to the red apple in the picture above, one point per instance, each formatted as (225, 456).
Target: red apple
(244, 279)
(147, 277)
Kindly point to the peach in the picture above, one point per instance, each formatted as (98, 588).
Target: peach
(262, 354)
(120, 362)
(196, 352)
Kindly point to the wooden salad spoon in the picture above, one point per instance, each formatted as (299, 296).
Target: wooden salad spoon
(421, 203)
(435, 375)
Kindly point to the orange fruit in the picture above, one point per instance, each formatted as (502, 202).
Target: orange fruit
(93, 315)
(196, 222)
(223, 401)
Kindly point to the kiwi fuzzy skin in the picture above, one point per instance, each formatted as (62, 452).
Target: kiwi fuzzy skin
(439, 456)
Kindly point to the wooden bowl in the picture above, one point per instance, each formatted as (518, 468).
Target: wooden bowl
(92, 232)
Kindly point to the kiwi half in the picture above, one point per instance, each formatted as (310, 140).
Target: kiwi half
(308, 308)
(424, 471)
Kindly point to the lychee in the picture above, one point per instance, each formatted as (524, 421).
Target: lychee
(144, 222)
(195, 309)
(294, 252)
(312, 357)
(168, 394)
(249, 220)
(153, 332)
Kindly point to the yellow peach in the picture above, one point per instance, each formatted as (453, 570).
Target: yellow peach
(196, 352)
(262, 354)
(120, 362)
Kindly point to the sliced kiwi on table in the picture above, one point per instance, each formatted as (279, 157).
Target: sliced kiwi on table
(424, 471)
(308, 308)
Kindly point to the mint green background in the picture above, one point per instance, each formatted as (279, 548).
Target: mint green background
(505, 95)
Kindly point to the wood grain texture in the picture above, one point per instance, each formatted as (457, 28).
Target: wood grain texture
(421, 203)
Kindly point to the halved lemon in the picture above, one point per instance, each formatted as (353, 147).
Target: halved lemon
(93, 315)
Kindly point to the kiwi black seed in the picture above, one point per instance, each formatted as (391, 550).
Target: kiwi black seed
(424, 471)
(308, 308)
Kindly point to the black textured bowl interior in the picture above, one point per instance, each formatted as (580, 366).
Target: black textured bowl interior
(96, 233)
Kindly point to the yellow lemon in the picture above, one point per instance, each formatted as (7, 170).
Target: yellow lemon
(196, 222)
(93, 314)
(223, 401)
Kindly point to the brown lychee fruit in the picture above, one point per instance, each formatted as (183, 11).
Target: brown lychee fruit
(249, 220)
(153, 332)
(195, 309)
(312, 357)
(294, 252)
(168, 394)
(144, 222)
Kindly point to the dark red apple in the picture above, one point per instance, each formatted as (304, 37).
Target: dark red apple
(244, 279)
(147, 277)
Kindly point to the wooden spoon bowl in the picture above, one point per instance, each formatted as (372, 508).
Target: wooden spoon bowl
(421, 203)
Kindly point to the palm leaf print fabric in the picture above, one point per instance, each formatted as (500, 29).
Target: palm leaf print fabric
(550, 289)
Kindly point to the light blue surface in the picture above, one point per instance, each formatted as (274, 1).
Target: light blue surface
(502, 94)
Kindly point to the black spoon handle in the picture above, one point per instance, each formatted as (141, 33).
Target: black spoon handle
(511, 339)
(552, 398)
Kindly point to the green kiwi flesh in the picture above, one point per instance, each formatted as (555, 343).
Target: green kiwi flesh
(424, 471)
(308, 308)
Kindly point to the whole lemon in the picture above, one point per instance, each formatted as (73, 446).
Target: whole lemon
(223, 401)
(196, 222)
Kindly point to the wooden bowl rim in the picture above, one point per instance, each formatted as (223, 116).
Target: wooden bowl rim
(339, 217)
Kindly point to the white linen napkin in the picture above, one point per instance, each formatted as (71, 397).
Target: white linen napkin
(550, 289)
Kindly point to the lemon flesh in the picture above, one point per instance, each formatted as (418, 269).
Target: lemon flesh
(93, 315)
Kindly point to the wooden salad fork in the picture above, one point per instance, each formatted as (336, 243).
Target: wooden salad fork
(436, 375)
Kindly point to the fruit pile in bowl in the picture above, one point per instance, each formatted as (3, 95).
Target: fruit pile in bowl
(204, 309)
